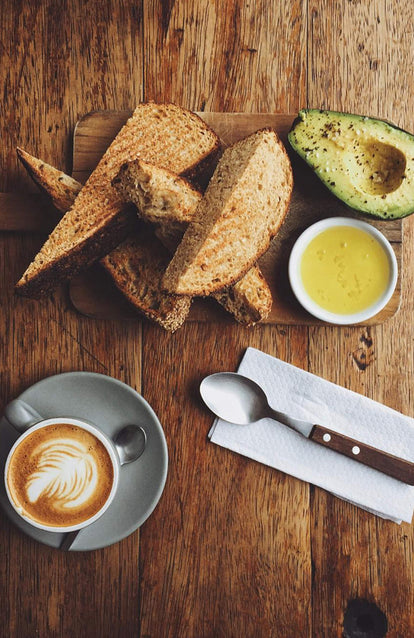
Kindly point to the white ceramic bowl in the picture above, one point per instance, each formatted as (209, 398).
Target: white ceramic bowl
(296, 280)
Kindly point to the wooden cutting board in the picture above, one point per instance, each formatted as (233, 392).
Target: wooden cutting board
(94, 295)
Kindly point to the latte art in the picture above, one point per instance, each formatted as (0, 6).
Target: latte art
(67, 473)
(60, 475)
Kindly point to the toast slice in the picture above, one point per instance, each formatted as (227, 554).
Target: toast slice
(243, 207)
(136, 266)
(61, 188)
(161, 197)
(97, 222)
(169, 202)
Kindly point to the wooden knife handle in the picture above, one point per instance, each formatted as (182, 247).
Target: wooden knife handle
(382, 461)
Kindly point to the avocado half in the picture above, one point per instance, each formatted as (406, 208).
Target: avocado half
(367, 163)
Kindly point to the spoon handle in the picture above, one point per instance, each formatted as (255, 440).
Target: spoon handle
(68, 540)
(386, 463)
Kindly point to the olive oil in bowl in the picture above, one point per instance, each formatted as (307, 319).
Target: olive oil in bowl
(343, 270)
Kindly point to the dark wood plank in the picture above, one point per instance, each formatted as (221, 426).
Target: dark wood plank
(230, 545)
(250, 58)
(230, 540)
(357, 53)
(58, 61)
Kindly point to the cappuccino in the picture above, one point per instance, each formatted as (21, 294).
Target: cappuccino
(60, 475)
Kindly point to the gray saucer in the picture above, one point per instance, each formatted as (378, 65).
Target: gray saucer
(109, 404)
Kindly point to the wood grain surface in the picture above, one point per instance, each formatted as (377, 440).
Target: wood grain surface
(234, 548)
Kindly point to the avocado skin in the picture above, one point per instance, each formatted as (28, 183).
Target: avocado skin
(367, 163)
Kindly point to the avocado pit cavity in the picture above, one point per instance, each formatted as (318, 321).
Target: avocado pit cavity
(376, 168)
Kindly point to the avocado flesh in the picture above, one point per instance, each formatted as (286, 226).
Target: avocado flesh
(367, 163)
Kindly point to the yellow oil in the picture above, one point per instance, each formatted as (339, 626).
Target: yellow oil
(345, 270)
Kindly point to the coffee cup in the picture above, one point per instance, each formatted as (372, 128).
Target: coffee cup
(62, 473)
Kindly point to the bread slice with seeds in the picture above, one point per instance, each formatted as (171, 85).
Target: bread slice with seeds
(136, 266)
(169, 202)
(98, 221)
(243, 207)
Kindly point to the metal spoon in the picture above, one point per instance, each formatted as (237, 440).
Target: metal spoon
(130, 443)
(239, 400)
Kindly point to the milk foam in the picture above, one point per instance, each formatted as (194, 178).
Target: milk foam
(66, 474)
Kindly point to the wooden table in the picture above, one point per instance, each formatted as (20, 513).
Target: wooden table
(234, 548)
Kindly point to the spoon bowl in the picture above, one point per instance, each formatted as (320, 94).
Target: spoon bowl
(234, 398)
(130, 443)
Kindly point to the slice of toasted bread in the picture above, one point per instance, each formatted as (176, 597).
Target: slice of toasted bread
(62, 188)
(169, 202)
(249, 300)
(242, 209)
(136, 266)
(97, 222)
(162, 198)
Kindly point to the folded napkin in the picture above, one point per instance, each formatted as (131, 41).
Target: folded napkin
(306, 396)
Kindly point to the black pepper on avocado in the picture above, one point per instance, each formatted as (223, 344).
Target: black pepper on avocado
(367, 163)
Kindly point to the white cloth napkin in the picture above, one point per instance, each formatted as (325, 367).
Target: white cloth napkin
(306, 396)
